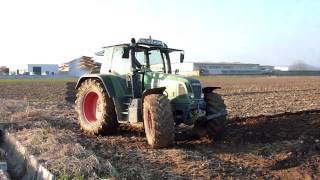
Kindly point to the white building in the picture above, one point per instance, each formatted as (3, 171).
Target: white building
(281, 68)
(199, 68)
(43, 69)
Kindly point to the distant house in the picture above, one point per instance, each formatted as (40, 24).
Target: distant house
(43, 69)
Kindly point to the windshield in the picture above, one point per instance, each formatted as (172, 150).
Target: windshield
(156, 60)
(152, 59)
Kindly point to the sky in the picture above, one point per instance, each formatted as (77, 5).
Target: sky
(268, 32)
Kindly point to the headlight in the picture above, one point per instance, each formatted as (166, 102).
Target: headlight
(202, 95)
(191, 95)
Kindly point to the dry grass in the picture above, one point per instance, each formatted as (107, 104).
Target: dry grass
(39, 130)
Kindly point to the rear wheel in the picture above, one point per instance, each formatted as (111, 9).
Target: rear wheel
(158, 120)
(215, 104)
(96, 112)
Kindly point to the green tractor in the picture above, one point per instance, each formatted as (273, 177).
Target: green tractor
(136, 84)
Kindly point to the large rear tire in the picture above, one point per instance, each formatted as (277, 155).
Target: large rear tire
(158, 121)
(96, 112)
(215, 104)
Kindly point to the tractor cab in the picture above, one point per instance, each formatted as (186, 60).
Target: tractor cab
(144, 55)
(154, 55)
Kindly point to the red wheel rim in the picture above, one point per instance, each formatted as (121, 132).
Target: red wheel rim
(149, 120)
(90, 106)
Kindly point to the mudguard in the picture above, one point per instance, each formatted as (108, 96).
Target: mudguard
(104, 78)
(159, 90)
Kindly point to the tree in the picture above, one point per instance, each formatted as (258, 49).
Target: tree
(300, 65)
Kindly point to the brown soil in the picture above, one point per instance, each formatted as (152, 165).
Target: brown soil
(273, 131)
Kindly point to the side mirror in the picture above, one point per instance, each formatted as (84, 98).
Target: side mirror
(181, 57)
(100, 53)
(126, 52)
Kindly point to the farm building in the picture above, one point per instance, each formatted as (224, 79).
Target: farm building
(43, 69)
(198, 68)
(80, 66)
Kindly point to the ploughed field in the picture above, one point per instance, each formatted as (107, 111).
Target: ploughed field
(273, 131)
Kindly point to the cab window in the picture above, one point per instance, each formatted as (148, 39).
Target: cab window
(156, 61)
(119, 64)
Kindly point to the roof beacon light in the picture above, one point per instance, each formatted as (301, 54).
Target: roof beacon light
(151, 42)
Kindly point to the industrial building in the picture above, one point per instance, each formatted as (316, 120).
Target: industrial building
(43, 69)
(199, 68)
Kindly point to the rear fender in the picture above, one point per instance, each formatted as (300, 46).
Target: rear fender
(104, 79)
(108, 87)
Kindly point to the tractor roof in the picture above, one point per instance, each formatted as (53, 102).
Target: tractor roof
(146, 43)
(149, 44)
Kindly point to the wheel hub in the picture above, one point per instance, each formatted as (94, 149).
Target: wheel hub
(91, 106)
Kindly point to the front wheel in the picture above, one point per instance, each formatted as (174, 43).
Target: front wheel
(158, 121)
(215, 104)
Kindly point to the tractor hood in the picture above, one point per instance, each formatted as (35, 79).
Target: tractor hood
(176, 86)
(193, 85)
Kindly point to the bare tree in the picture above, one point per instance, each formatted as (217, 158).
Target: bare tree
(300, 65)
